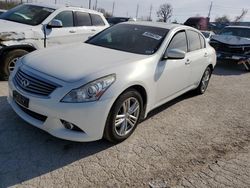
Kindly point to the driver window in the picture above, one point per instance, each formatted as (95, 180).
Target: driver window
(66, 17)
(179, 41)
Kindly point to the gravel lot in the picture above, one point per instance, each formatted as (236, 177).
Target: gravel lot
(193, 141)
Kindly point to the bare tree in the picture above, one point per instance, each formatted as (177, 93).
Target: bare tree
(165, 12)
(241, 16)
(222, 19)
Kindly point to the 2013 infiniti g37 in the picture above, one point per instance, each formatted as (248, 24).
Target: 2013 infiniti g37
(105, 86)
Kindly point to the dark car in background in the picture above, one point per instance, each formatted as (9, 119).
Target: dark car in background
(116, 20)
(233, 44)
(2, 11)
(200, 23)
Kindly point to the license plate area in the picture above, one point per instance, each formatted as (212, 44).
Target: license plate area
(20, 99)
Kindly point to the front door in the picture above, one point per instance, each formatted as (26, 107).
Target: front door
(173, 75)
(64, 35)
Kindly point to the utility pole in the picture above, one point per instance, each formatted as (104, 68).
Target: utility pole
(210, 9)
(89, 4)
(150, 12)
(113, 9)
(137, 10)
(96, 4)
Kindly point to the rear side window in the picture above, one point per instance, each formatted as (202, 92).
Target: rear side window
(97, 20)
(194, 40)
(83, 19)
(179, 41)
(66, 17)
(203, 44)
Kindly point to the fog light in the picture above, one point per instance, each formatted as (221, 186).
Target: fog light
(71, 126)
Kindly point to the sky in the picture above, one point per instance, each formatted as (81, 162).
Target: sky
(182, 9)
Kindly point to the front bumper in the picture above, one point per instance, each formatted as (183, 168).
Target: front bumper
(89, 117)
(231, 56)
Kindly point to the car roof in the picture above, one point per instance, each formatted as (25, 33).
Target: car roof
(61, 6)
(158, 24)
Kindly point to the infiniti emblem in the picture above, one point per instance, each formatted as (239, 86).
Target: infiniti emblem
(25, 82)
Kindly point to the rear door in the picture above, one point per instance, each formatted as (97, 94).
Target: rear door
(84, 27)
(97, 22)
(197, 54)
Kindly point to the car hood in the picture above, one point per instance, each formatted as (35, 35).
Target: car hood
(231, 40)
(71, 63)
(12, 30)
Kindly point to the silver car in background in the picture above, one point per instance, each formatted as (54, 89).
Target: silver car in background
(105, 86)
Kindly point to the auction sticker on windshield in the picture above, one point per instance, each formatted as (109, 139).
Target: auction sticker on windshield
(152, 35)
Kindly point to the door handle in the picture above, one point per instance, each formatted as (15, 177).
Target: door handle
(187, 62)
(72, 31)
(93, 29)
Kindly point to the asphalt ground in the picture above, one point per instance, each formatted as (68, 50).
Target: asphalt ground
(192, 141)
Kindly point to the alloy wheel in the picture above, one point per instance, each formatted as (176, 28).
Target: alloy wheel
(205, 80)
(127, 116)
(12, 64)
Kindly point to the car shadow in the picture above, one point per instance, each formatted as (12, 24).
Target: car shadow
(229, 69)
(27, 152)
(163, 107)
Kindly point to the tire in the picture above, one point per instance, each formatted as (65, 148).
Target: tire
(9, 61)
(118, 129)
(201, 89)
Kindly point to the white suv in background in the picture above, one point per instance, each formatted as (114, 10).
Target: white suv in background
(29, 27)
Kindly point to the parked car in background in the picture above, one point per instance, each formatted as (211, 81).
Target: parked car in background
(208, 35)
(29, 27)
(233, 44)
(116, 20)
(200, 23)
(2, 11)
(114, 80)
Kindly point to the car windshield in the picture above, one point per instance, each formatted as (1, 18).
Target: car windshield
(240, 32)
(131, 38)
(27, 14)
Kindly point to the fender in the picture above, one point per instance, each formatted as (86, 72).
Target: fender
(27, 47)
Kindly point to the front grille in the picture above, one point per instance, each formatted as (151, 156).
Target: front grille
(33, 114)
(33, 85)
(220, 47)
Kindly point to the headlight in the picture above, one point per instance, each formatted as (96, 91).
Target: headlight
(91, 91)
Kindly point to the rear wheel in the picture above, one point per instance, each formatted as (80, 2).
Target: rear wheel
(124, 116)
(9, 62)
(201, 89)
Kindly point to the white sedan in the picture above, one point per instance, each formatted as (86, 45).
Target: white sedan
(105, 86)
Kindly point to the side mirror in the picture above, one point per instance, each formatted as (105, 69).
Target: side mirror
(55, 24)
(174, 54)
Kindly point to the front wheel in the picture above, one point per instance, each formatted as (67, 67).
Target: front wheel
(9, 62)
(201, 89)
(123, 116)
